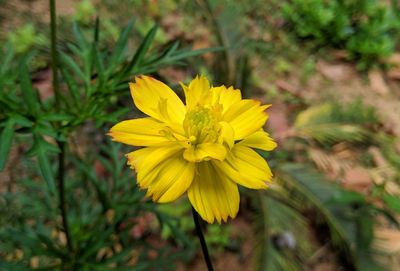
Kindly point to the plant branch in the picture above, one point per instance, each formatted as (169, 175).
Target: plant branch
(61, 192)
(202, 240)
(61, 144)
(54, 59)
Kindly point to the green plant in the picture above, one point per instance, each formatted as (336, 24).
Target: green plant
(84, 11)
(303, 205)
(76, 209)
(366, 29)
(25, 38)
(331, 123)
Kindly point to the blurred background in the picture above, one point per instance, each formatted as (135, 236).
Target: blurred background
(330, 69)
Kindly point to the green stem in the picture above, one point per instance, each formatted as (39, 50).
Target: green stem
(54, 59)
(61, 193)
(61, 144)
(202, 240)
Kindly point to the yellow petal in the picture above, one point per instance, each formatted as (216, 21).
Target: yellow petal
(173, 177)
(259, 140)
(139, 132)
(205, 151)
(212, 195)
(196, 92)
(226, 96)
(246, 117)
(245, 167)
(145, 160)
(157, 100)
(227, 135)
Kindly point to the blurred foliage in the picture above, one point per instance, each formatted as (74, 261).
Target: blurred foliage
(112, 226)
(25, 38)
(84, 11)
(102, 209)
(367, 29)
(302, 199)
(332, 123)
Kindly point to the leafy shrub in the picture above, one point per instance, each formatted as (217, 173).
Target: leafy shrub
(365, 28)
(75, 205)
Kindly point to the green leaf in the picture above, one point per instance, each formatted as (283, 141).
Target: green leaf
(100, 68)
(347, 197)
(29, 94)
(42, 150)
(22, 121)
(5, 142)
(68, 61)
(316, 190)
(6, 59)
(393, 202)
(173, 58)
(56, 117)
(142, 50)
(274, 217)
(72, 86)
(365, 231)
(119, 49)
(82, 42)
(329, 123)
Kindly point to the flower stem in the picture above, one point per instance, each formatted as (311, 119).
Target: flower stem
(202, 240)
(61, 193)
(54, 60)
(61, 144)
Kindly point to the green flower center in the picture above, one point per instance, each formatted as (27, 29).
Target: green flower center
(201, 124)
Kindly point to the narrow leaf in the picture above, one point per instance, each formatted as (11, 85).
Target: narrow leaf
(67, 60)
(82, 42)
(120, 46)
(393, 202)
(5, 142)
(142, 50)
(29, 94)
(72, 86)
(44, 163)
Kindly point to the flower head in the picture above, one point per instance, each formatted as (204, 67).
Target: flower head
(203, 148)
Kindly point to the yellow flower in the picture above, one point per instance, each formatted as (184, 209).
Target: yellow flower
(204, 148)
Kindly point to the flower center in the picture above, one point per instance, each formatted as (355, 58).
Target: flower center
(201, 124)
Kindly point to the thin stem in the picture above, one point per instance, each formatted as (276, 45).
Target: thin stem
(61, 144)
(202, 240)
(54, 59)
(61, 192)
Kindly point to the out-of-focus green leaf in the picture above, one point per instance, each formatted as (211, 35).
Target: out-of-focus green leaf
(331, 123)
(42, 150)
(100, 67)
(393, 202)
(56, 117)
(7, 57)
(30, 95)
(68, 61)
(117, 54)
(22, 121)
(365, 231)
(6, 137)
(346, 197)
(317, 191)
(275, 219)
(142, 50)
(79, 37)
(72, 86)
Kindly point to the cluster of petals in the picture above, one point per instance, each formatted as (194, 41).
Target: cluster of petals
(204, 148)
